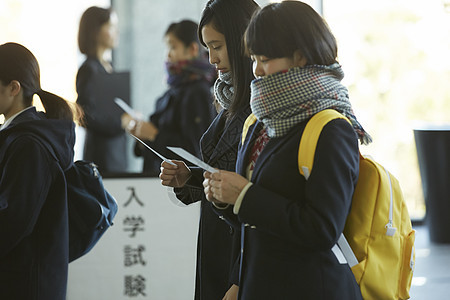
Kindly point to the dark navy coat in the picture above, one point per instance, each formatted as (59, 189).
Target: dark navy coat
(105, 140)
(291, 224)
(218, 242)
(182, 115)
(33, 207)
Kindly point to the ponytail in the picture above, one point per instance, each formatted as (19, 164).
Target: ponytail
(58, 108)
(18, 63)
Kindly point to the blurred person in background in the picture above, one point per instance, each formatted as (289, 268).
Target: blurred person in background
(184, 112)
(105, 141)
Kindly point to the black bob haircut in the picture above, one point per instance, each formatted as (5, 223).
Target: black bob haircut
(280, 29)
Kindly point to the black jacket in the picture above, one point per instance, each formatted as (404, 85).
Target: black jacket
(33, 207)
(182, 115)
(291, 224)
(105, 141)
(218, 242)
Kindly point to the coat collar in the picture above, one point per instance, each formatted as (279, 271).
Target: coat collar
(272, 146)
(223, 136)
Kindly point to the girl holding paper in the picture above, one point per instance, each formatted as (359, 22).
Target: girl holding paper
(221, 31)
(185, 110)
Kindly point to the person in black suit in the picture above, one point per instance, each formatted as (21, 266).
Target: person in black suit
(35, 150)
(290, 224)
(185, 110)
(221, 30)
(105, 140)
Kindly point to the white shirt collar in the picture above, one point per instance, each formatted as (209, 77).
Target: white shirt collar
(8, 121)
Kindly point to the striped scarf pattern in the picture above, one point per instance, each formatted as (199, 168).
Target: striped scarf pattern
(284, 99)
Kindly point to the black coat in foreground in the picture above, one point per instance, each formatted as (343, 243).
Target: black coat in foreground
(218, 242)
(33, 207)
(287, 254)
(291, 223)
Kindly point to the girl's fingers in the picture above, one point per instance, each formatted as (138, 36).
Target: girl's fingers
(168, 166)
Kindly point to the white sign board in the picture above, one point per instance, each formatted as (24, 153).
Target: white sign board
(149, 253)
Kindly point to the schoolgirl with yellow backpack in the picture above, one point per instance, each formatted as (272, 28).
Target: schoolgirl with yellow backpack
(292, 215)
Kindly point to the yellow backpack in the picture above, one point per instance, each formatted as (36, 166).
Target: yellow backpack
(378, 239)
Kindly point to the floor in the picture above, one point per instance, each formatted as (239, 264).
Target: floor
(431, 279)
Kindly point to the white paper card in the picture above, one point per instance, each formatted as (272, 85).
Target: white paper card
(123, 105)
(189, 157)
(153, 150)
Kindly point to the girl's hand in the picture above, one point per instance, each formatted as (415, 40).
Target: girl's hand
(145, 131)
(232, 293)
(174, 176)
(223, 186)
(128, 123)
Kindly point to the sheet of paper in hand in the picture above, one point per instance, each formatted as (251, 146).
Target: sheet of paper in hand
(191, 158)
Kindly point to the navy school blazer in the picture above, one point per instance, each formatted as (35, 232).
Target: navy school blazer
(290, 224)
(218, 242)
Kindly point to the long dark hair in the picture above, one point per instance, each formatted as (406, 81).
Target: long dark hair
(18, 63)
(280, 29)
(91, 21)
(230, 18)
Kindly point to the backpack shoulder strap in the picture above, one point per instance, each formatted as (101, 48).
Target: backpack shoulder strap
(308, 142)
(306, 153)
(251, 119)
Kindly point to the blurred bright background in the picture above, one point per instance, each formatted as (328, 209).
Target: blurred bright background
(394, 54)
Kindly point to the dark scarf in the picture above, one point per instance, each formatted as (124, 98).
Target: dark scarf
(189, 70)
(285, 99)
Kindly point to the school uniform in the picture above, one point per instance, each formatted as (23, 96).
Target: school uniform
(34, 151)
(290, 224)
(218, 241)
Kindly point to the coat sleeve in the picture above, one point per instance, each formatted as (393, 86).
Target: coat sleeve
(25, 182)
(94, 117)
(192, 111)
(312, 217)
(192, 191)
(198, 102)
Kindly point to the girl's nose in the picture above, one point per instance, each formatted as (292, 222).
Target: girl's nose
(257, 69)
(213, 59)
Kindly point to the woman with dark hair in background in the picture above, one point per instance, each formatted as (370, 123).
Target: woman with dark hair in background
(290, 224)
(105, 141)
(221, 30)
(185, 110)
(35, 149)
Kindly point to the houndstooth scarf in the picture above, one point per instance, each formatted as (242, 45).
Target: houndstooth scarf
(223, 89)
(285, 99)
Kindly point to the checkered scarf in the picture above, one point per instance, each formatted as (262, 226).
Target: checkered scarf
(285, 99)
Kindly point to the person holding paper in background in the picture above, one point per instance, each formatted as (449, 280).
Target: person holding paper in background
(185, 110)
(105, 141)
(221, 30)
